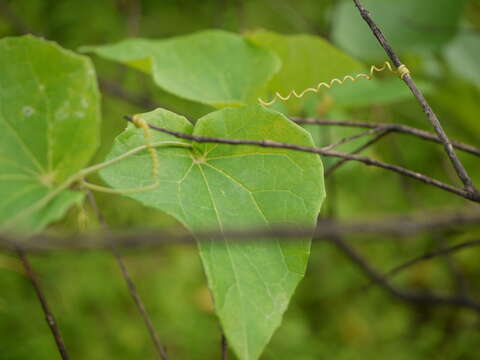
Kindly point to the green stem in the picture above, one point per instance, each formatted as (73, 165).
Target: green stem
(82, 174)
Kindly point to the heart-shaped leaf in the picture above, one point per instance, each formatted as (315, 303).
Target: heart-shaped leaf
(214, 187)
(213, 67)
(49, 122)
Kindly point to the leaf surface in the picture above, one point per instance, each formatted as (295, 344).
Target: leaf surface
(212, 67)
(49, 120)
(306, 60)
(409, 25)
(462, 55)
(213, 187)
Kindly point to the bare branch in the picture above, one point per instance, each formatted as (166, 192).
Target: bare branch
(411, 297)
(431, 255)
(332, 153)
(403, 129)
(43, 302)
(369, 143)
(115, 89)
(224, 347)
(130, 284)
(432, 117)
(396, 227)
(354, 137)
(16, 22)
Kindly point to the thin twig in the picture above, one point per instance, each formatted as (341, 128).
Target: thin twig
(17, 23)
(130, 284)
(115, 89)
(43, 302)
(411, 297)
(369, 143)
(224, 347)
(332, 153)
(396, 227)
(432, 117)
(431, 255)
(403, 129)
(353, 137)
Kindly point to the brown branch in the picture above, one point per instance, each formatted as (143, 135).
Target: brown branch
(395, 226)
(224, 347)
(332, 153)
(411, 297)
(431, 255)
(140, 306)
(52, 324)
(115, 89)
(432, 117)
(353, 137)
(17, 23)
(130, 284)
(369, 143)
(403, 129)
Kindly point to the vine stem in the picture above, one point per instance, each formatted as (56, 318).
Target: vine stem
(52, 324)
(81, 175)
(432, 117)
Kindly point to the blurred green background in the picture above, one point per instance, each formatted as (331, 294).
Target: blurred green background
(331, 316)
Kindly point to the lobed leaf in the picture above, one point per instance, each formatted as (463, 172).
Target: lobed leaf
(213, 187)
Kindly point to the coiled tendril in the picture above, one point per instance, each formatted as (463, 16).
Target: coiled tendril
(401, 71)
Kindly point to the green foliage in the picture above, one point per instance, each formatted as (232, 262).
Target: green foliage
(213, 67)
(191, 74)
(462, 55)
(306, 61)
(410, 25)
(215, 187)
(48, 129)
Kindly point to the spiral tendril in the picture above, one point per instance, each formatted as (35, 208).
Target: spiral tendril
(401, 71)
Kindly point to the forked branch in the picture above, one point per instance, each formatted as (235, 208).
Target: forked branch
(432, 117)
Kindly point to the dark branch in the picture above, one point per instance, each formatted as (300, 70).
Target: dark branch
(431, 255)
(396, 227)
(403, 129)
(331, 153)
(411, 297)
(369, 143)
(52, 324)
(130, 284)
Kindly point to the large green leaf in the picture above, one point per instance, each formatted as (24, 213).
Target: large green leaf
(216, 187)
(306, 61)
(213, 67)
(410, 25)
(462, 55)
(49, 120)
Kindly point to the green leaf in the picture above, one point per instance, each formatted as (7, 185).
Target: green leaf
(306, 61)
(462, 55)
(49, 120)
(213, 67)
(213, 187)
(409, 25)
